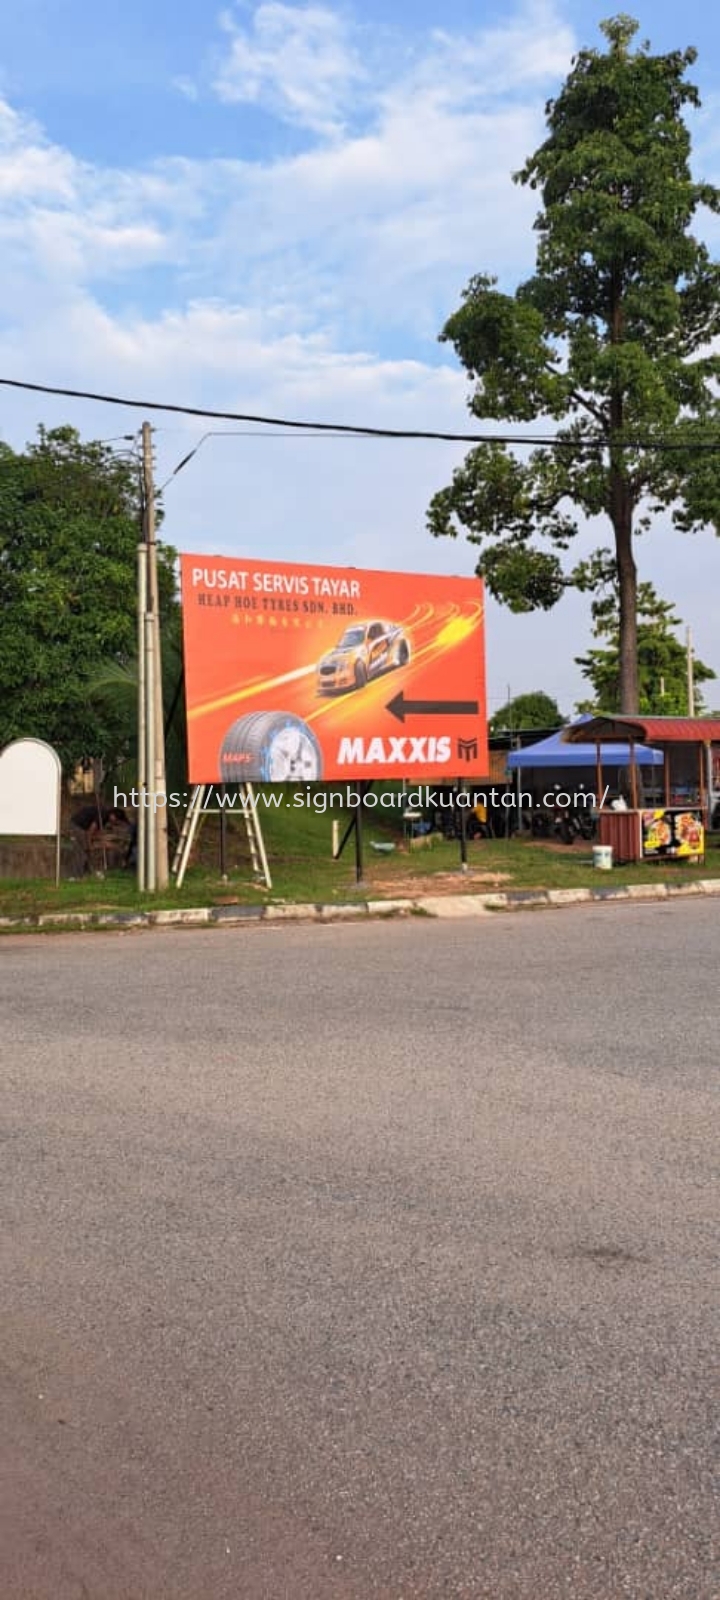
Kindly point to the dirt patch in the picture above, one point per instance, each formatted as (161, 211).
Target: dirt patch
(413, 884)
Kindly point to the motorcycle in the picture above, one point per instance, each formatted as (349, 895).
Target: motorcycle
(577, 823)
(564, 822)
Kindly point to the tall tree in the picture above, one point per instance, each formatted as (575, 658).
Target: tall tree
(662, 658)
(611, 338)
(69, 529)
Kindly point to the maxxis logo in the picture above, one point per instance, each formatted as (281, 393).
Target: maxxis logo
(400, 750)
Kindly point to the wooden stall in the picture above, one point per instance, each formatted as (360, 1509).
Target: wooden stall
(673, 828)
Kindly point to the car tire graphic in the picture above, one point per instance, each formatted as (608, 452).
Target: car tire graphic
(402, 654)
(270, 747)
(360, 674)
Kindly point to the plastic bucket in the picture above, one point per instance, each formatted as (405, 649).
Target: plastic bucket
(602, 857)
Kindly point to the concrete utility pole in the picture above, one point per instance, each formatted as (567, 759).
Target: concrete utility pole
(142, 816)
(153, 869)
(690, 676)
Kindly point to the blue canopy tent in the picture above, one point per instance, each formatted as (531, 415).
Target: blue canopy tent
(622, 759)
(553, 752)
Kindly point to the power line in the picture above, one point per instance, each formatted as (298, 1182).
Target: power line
(362, 430)
(337, 428)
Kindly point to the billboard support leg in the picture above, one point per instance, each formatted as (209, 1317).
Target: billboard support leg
(463, 830)
(223, 836)
(359, 838)
(193, 816)
(355, 826)
(349, 829)
(258, 853)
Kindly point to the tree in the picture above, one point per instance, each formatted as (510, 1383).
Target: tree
(69, 528)
(662, 659)
(534, 710)
(611, 338)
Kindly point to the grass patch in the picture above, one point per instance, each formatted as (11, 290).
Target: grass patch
(299, 843)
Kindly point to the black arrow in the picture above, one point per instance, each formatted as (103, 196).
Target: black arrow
(401, 708)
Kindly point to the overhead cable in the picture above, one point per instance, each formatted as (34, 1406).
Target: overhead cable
(362, 430)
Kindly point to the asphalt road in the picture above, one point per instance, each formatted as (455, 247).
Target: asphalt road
(362, 1261)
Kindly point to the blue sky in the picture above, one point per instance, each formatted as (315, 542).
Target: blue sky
(273, 207)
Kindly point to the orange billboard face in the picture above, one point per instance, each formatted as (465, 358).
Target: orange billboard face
(309, 674)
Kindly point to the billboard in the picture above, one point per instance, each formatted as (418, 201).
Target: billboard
(299, 673)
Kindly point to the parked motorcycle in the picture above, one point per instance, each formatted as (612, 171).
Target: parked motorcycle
(564, 822)
(577, 822)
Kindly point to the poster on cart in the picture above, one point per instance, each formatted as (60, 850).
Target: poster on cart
(675, 833)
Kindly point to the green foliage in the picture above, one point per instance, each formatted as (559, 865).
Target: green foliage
(533, 710)
(114, 688)
(662, 658)
(611, 339)
(69, 528)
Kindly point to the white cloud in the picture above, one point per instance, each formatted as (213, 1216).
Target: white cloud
(35, 172)
(530, 47)
(31, 169)
(296, 60)
(63, 220)
(321, 70)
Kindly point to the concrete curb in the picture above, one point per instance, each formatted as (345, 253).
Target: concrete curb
(452, 906)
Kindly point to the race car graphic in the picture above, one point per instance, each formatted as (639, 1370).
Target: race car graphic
(270, 747)
(365, 650)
